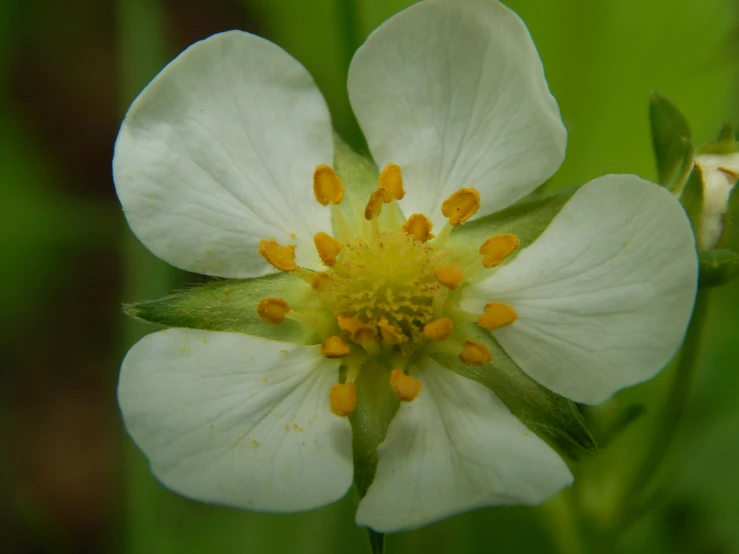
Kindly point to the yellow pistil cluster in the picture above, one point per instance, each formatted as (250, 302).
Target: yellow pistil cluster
(389, 289)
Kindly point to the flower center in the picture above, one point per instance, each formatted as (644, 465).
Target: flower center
(389, 289)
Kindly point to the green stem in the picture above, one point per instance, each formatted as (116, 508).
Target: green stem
(668, 423)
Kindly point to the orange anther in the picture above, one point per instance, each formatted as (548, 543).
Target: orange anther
(405, 387)
(439, 329)
(320, 281)
(419, 226)
(474, 353)
(327, 186)
(364, 334)
(334, 347)
(461, 205)
(343, 399)
(281, 257)
(328, 248)
(347, 323)
(390, 333)
(391, 182)
(450, 276)
(272, 310)
(496, 249)
(374, 205)
(497, 315)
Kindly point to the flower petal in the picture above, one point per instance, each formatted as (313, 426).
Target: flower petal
(454, 92)
(218, 152)
(604, 295)
(237, 420)
(454, 448)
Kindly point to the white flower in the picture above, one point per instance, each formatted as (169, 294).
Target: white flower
(720, 172)
(213, 166)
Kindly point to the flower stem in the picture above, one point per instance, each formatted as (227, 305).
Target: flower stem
(670, 418)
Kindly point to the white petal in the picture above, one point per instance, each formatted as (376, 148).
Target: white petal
(604, 295)
(218, 152)
(454, 448)
(454, 92)
(237, 420)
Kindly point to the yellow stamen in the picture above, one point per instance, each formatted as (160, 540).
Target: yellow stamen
(474, 353)
(374, 205)
(320, 281)
(439, 329)
(364, 334)
(496, 249)
(272, 310)
(419, 226)
(391, 183)
(327, 186)
(405, 387)
(334, 347)
(281, 257)
(497, 315)
(348, 324)
(461, 206)
(451, 276)
(343, 399)
(390, 334)
(328, 248)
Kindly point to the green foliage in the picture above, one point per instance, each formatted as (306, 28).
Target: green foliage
(671, 142)
(551, 416)
(717, 267)
(730, 238)
(229, 305)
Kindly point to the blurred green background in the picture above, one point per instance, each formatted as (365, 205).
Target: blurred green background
(70, 480)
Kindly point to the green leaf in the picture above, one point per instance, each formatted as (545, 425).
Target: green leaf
(671, 141)
(549, 415)
(692, 199)
(230, 305)
(730, 238)
(376, 406)
(526, 219)
(717, 267)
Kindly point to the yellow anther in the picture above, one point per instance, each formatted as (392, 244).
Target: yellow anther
(328, 248)
(281, 257)
(497, 315)
(419, 226)
(461, 206)
(374, 205)
(474, 353)
(391, 183)
(272, 310)
(327, 186)
(439, 329)
(343, 399)
(348, 324)
(390, 334)
(364, 334)
(334, 347)
(496, 249)
(450, 276)
(405, 387)
(320, 281)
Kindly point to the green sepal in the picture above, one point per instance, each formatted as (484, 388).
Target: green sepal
(730, 237)
(692, 199)
(717, 267)
(376, 407)
(376, 541)
(554, 418)
(229, 305)
(359, 176)
(526, 219)
(671, 141)
(725, 142)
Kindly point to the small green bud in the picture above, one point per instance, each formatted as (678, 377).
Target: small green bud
(717, 267)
